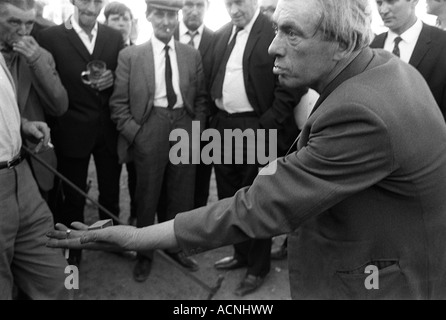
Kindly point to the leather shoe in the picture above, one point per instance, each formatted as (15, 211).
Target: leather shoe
(229, 263)
(142, 269)
(184, 261)
(249, 284)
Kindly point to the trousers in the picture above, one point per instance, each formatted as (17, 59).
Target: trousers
(25, 219)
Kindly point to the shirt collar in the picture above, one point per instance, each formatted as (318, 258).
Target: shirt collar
(249, 26)
(79, 30)
(184, 30)
(158, 46)
(411, 35)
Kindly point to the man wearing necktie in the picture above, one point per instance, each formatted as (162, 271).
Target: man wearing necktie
(421, 45)
(192, 31)
(159, 88)
(247, 95)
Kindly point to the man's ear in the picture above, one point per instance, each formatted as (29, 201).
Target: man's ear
(342, 50)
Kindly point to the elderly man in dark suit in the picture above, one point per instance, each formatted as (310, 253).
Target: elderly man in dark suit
(86, 129)
(41, 93)
(159, 88)
(421, 45)
(247, 96)
(362, 198)
(191, 30)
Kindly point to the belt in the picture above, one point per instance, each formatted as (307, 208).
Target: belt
(11, 164)
(239, 114)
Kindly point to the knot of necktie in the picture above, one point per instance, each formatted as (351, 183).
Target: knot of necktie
(192, 35)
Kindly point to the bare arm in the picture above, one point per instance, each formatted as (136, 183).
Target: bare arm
(120, 238)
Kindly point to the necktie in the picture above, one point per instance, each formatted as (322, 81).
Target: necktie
(396, 49)
(192, 35)
(171, 96)
(217, 87)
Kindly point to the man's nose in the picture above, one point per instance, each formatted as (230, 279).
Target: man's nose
(233, 9)
(276, 47)
(22, 30)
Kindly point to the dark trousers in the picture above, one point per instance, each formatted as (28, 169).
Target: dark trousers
(108, 172)
(131, 170)
(233, 177)
(202, 184)
(158, 178)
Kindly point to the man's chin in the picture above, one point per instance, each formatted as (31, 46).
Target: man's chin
(288, 83)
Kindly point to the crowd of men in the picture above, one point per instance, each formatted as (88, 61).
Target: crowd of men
(352, 172)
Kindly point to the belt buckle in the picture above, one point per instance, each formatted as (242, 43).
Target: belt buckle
(14, 162)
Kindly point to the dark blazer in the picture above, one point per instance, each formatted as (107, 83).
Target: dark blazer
(362, 190)
(273, 103)
(132, 100)
(88, 115)
(429, 58)
(40, 95)
(205, 49)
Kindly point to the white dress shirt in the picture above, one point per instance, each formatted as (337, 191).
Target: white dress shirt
(185, 37)
(159, 54)
(89, 43)
(235, 98)
(10, 139)
(410, 39)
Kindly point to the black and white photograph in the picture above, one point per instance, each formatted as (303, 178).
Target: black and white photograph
(224, 156)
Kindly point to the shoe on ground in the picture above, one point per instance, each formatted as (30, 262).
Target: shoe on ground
(249, 285)
(229, 263)
(142, 269)
(186, 262)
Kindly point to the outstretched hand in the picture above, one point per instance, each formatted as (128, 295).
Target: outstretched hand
(79, 237)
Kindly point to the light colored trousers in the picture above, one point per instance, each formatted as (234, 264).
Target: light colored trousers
(25, 219)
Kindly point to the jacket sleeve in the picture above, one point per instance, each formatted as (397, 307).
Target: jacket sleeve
(348, 150)
(120, 100)
(52, 93)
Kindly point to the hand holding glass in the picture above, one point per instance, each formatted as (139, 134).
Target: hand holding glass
(95, 69)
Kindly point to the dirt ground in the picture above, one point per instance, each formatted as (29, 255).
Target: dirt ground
(108, 276)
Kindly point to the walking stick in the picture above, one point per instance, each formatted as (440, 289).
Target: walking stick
(212, 291)
(72, 185)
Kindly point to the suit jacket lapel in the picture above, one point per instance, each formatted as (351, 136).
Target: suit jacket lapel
(379, 41)
(148, 68)
(422, 46)
(77, 42)
(183, 70)
(254, 36)
(101, 40)
(24, 83)
(220, 49)
(205, 43)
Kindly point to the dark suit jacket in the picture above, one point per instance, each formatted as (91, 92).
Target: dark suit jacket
(88, 115)
(132, 100)
(41, 94)
(205, 49)
(272, 103)
(362, 190)
(429, 58)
